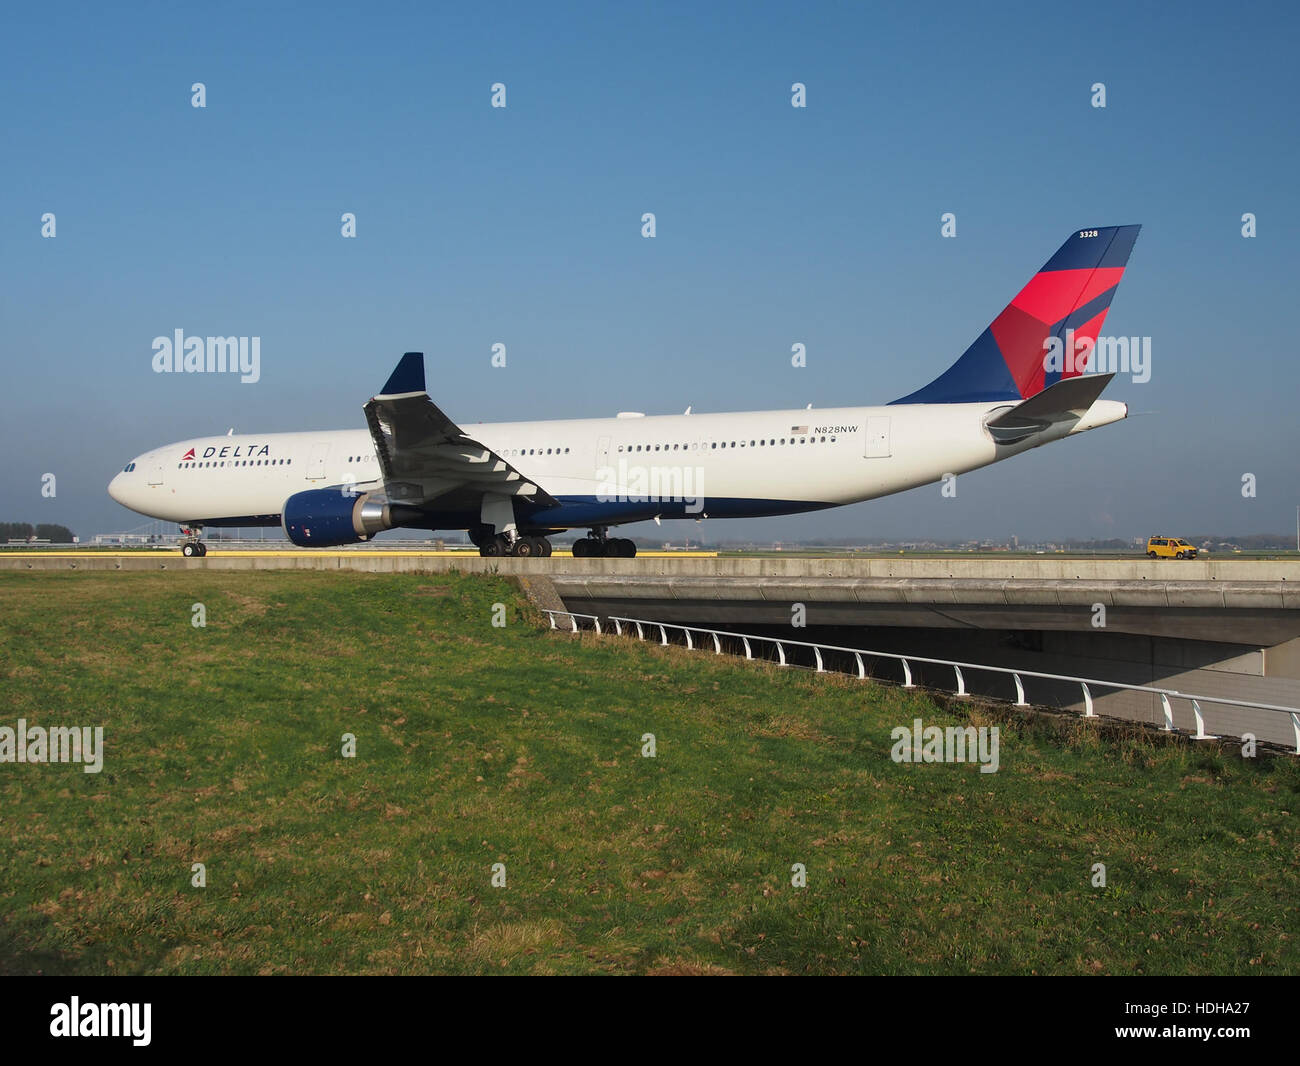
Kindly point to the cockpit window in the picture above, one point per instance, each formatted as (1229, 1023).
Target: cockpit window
(128, 468)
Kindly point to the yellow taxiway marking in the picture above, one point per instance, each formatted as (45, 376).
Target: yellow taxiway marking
(288, 553)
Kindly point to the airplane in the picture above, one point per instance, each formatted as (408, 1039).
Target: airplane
(511, 485)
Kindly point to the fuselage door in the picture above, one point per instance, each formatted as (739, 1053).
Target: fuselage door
(316, 464)
(156, 475)
(876, 444)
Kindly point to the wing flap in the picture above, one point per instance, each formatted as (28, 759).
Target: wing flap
(423, 454)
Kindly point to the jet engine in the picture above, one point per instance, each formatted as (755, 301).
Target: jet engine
(324, 518)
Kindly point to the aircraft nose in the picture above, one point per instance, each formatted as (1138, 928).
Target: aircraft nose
(115, 487)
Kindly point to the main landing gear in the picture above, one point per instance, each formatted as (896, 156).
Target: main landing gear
(523, 547)
(599, 544)
(193, 547)
(510, 544)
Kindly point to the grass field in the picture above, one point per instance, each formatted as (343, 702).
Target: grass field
(478, 745)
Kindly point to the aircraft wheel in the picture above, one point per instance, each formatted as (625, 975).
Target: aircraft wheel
(493, 548)
(203, 549)
(189, 550)
(581, 548)
(546, 547)
(629, 548)
(526, 547)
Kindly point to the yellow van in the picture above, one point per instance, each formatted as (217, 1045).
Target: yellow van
(1170, 548)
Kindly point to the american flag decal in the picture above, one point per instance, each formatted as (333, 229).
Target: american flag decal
(798, 429)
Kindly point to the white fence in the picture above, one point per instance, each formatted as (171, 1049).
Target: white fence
(1168, 696)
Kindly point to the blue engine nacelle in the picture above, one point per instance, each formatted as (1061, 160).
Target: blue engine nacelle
(325, 518)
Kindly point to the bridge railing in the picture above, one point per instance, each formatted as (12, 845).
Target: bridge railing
(1168, 696)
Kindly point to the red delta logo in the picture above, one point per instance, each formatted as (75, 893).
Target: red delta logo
(188, 456)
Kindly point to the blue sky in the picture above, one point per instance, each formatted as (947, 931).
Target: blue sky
(775, 225)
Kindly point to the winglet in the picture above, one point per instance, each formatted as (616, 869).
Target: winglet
(408, 378)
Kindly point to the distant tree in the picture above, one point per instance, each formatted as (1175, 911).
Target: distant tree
(54, 534)
(44, 531)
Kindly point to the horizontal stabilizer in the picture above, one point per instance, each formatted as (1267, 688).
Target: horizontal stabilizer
(1068, 398)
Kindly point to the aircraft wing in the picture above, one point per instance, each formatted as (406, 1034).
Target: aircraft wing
(425, 456)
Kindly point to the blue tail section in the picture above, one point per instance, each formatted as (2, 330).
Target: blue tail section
(1066, 300)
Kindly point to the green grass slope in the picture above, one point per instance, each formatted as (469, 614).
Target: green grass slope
(478, 745)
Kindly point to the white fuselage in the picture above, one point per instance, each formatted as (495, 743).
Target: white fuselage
(725, 465)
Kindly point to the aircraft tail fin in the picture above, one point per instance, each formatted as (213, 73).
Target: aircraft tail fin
(1010, 359)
